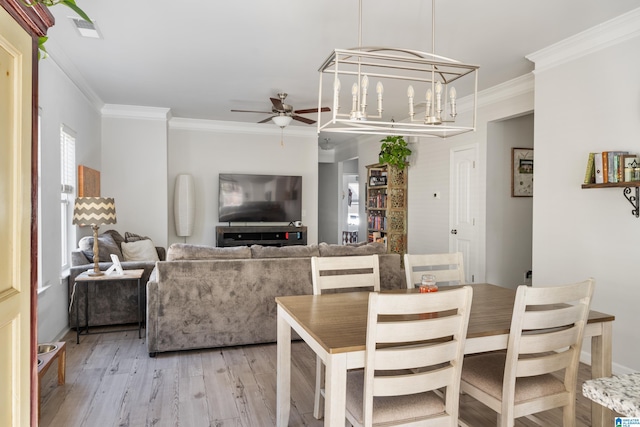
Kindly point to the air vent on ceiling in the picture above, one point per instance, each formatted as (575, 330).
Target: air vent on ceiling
(86, 28)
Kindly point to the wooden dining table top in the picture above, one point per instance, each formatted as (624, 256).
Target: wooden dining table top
(338, 321)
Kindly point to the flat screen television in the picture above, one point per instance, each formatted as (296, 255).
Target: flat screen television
(259, 198)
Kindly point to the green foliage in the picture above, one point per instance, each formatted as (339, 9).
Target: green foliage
(394, 151)
(42, 52)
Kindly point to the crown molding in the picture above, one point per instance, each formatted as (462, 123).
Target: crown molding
(135, 112)
(239, 127)
(609, 33)
(504, 91)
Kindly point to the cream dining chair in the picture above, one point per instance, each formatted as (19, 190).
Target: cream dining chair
(543, 339)
(447, 267)
(342, 272)
(408, 358)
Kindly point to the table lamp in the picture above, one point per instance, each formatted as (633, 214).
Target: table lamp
(94, 211)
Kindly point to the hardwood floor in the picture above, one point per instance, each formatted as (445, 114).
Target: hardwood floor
(112, 381)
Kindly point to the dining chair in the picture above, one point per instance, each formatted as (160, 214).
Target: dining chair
(414, 348)
(545, 338)
(447, 267)
(342, 272)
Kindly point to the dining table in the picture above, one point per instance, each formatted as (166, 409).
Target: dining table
(334, 327)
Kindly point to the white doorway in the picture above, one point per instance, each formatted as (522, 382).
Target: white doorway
(463, 212)
(350, 208)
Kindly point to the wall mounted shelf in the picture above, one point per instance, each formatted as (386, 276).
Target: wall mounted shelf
(628, 189)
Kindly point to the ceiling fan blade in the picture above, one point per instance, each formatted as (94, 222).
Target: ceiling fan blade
(303, 120)
(312, 110)
(277, 104)
(251, 111)
(266, 120)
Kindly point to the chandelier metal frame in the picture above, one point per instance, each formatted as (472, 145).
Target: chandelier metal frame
(426, 70)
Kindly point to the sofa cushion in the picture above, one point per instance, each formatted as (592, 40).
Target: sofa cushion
(185, 251)
(351, 250)
(295, 251)
(106, 246)
(141, 250)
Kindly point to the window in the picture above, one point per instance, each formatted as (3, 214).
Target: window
(67, 192)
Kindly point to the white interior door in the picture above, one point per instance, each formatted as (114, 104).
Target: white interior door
(15, 216)
(463, 233)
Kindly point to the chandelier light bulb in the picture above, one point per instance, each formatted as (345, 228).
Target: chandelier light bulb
(410, 95)
(365, 86)
(452, 100)
(354, 101)
(379, 91)
(336, 96)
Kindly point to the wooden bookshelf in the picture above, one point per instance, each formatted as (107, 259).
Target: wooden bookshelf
(386, 206)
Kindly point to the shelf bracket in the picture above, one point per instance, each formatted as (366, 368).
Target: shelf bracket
(633, 200)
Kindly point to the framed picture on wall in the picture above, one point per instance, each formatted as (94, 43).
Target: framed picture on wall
(521, 172)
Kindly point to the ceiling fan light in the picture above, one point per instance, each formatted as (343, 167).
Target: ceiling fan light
(281, 121)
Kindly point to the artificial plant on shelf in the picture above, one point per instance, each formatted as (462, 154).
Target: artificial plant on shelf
(42, 52)
(394, 151)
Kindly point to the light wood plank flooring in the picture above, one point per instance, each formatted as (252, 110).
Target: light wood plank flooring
(112, 381)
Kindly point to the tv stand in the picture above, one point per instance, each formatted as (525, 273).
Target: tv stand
(265, 235)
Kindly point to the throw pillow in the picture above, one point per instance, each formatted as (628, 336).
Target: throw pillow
(133, 237)
(186, 251)
(106, 247)
(117, 237)
(141, 250)
(295, 251)
(346, 250)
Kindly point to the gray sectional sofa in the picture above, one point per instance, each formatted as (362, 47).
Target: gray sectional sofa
(205, 297)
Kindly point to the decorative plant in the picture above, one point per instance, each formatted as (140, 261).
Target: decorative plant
(42, 52)
(394, 151)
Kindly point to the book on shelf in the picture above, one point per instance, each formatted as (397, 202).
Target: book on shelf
(607, 167)
(599, 169)
(589, 175)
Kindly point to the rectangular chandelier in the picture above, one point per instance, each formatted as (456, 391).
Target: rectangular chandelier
(423, 82)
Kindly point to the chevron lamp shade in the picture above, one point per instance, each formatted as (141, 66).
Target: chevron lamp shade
(94, 211)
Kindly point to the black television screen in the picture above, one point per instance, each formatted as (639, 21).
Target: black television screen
(259, 198)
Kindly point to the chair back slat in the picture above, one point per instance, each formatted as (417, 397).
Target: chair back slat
(414, 356)
(399, 385)
(549, 341)
(345, 272)
(418, 330)
(448, 268)
(551, 318)
(543, 365)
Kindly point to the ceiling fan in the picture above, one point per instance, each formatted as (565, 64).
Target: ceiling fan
(280, 109)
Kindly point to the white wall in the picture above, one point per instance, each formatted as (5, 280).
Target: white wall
(509, 219)
(134, 168)
(206, 148)
(61, 103)
(589, 233)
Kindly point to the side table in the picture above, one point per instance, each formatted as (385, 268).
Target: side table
(129, 275)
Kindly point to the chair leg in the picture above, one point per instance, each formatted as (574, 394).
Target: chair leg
(318, 404)
(569, 414)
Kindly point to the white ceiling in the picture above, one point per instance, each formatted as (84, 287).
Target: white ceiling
(202, 58)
